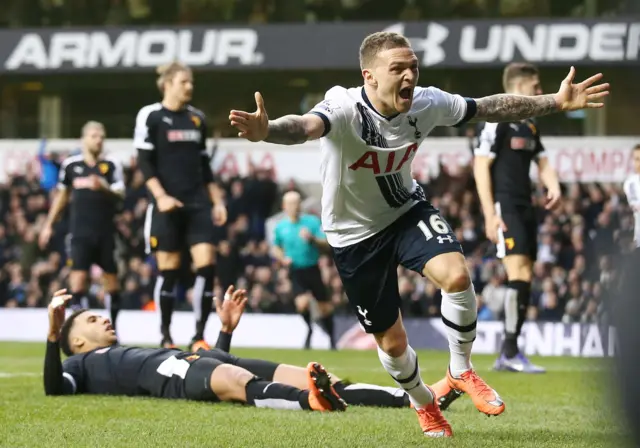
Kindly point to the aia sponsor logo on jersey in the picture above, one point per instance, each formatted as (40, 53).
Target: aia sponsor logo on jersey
(184, 136)
(384, 162)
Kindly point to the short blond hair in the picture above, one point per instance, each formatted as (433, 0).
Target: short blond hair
(168, 71)
(92, 124)
(380, 41)
(517, 70)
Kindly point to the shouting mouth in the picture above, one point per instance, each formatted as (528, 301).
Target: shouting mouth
(406, 93)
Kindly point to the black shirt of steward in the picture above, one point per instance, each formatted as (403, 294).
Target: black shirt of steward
(92, 211)
(172, 147)
(117, 370)
(512, 146)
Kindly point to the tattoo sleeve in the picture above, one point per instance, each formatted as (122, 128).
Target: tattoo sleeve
(287, 130)
(504, 107)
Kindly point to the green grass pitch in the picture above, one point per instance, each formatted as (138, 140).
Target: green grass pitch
(567, 407)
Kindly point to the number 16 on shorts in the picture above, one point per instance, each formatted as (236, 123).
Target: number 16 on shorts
(439, 226)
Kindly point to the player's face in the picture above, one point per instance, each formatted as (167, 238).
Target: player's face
(530, 86)
(395, 76)
(91, 331)
(94, 140)
(636, 161)
(180, 87)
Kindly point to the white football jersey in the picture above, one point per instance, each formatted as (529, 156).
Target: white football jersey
(366, 158)
(632, 191)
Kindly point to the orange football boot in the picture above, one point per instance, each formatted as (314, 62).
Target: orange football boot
(484, 397)
(445, 394)
(432, 421)
(322, 395)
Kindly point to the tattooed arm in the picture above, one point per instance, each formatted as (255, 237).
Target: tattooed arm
(505, 107)
(287, 130)
(295, 129)
(583, 95)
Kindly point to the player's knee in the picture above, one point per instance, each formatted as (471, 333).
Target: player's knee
(325, 308)
(457, 280)
(302, 303)
(229, 382)
(203, 254)
(111, 282)
(518, 267)
(168, 260)
(77, 281)
(394, 340)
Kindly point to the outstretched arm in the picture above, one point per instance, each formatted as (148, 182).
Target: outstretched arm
(287, 130)
(295, 129)
(505, 107)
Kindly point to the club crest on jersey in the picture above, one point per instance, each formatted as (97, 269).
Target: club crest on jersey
(196, 120)
(104, 168)
(184, 136)
(413, 122)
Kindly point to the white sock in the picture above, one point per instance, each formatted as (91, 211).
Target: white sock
(405, 371)
(460, 315)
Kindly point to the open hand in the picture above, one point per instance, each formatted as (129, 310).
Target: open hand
(56, 313)
(584, 95)
(231, 308)
(254, 126)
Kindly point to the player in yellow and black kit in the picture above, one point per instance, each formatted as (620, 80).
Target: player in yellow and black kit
(170, 137)
(501, 167)
(95, 186)
(97, 364)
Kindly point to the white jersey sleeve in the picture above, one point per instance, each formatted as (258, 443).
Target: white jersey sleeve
(333, 110)
(443, 108)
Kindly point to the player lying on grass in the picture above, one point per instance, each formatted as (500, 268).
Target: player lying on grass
(97, 364)
(230, 311)
(77, 336)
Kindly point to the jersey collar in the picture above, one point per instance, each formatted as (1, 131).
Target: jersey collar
(368, 102)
